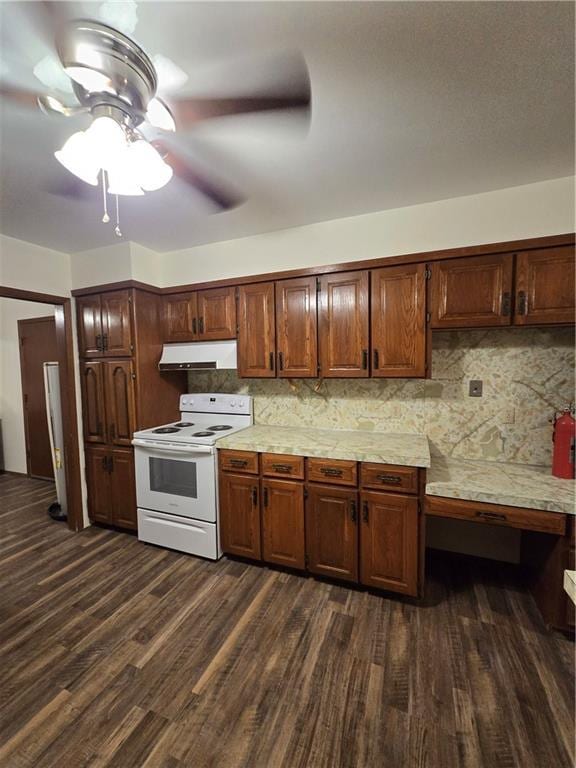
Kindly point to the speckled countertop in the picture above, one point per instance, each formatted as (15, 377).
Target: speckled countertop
(514, 485)
(387, 448)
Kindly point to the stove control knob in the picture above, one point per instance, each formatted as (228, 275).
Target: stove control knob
(233, 403)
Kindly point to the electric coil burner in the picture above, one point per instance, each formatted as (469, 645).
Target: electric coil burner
(176, 466)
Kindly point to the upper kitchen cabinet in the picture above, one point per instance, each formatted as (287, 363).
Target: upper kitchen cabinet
(296, 328)
(473, 292)
(398, 321)
(343, 324)
(545, 286)
(180, 317)
(256, 331)
(216, 314)
(105, 325)
(208, 315)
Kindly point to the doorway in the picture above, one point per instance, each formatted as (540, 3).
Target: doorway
(37, 345)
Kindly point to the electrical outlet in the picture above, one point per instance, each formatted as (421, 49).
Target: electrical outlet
(475, 389)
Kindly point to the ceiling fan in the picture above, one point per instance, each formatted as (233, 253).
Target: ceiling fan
(129, 146)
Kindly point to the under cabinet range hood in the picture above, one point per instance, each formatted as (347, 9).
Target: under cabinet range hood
(199, 356)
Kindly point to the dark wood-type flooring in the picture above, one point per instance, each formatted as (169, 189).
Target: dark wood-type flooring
(114, 653)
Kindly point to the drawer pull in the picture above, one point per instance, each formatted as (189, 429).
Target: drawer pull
(365, 511)
(393, 479)
(491, 515)
(364, 359)
(286, 468)
(331, 471)
(353, 511)
(522, 303)
(238, 462)
(255, 497)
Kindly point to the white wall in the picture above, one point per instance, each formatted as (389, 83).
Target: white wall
(33, 268)
(109, 264)
(11, 408)
(533, 210)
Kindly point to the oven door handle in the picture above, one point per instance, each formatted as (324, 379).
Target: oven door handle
(157, 446)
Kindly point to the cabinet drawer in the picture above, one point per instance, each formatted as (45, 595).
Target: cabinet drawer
(333, 471)
(238, 461)
(389, 477)
(497, 514)
(282, 465)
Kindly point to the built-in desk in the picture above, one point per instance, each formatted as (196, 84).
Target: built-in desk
(515, 496)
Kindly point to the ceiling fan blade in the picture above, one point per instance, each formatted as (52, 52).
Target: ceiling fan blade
(70, 187)
(190, 111)
(52, 106)
(223, 199)
(23, 98)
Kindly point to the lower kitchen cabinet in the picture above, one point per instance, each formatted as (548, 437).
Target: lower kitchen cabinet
(111, 486)
(332, 532)
(240, 515)
(389, 542)
(283, 523)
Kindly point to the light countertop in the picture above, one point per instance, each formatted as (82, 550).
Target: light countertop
(386, 448)
(515, 485)
(570, 584)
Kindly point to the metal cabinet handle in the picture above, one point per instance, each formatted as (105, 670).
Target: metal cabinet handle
(99, 345)
(364, 359)
(394, 479)
(506, 303)
(265, 490)
(255, 496)
(201, 325)
(376, 359)
(194, 331)
(271, 361)
(521, 303)
(238, 462)
(331, 471)
(280, 361)
(282, 467)
(353, 511)
(491, 515)
(365, 511)
(105, 343)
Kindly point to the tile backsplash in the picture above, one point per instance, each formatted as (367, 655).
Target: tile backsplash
(526, 374)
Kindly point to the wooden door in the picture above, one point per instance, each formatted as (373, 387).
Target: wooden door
(37, 340)
(120, 406)
(217, 314)
(98, 467)
(117, 324)
(283, 523)
(471, 292)
(123, 488)
(332, 532)
(296, 328)
(256, 336)
(389, 542)
(93, 401)
(545, 286)
(240, 515)
(343, 324)
(180, 317)
(89, 315)
(398, 321)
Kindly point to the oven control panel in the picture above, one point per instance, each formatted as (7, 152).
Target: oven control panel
(216, 403)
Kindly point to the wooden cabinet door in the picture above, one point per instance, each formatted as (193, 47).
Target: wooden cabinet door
(296, 328)
(89, 315)
(117, 324)
(283, 523)
(471, 292)
(256, 336)
(120, 406)
(389, 542)
(343, 324)
(98, 482)
(398, 321)
(180, 317)
(93, 401)
(332, 532)
(240, 515)
(545, 286)
(216, 314)
(123, 488)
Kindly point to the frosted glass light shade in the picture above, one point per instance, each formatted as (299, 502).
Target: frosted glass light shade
(76, 157)
(147, 167)
(121, 182)
(107, 142)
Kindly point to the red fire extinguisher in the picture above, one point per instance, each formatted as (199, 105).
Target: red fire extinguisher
(564, 438)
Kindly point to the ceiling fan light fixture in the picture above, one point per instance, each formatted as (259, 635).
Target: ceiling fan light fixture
(76, 157)
(159, 115)
(120, 182)
(107, 142)
(148, 168)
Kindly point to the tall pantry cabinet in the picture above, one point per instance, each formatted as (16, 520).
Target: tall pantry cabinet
(120, 343)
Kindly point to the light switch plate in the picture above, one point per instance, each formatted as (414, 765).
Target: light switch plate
(475, 389)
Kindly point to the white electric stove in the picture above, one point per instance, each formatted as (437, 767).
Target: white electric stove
(176, 470)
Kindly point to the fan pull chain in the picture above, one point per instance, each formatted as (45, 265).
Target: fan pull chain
(105, 218)
(117, 230)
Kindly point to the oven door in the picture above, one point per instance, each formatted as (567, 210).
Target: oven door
(180, 479)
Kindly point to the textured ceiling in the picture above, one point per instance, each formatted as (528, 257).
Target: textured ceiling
(412, 102)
